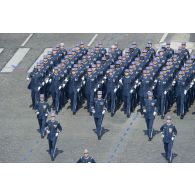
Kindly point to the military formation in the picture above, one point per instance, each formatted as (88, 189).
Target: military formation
(108, 79)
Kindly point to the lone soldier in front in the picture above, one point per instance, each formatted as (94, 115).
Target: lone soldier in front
(86, 158)
(98, 111)
(168, 131)
(53, 128)
(149, 110)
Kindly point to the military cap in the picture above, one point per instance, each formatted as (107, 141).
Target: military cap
(69, 53)
(133, 63)
(103, 58)
(100, 43)
(168, 117)
(81, 43)
(134, 43)
(164, 68)
(62, 61)
(126, 70)
(99, 92)
(147, 45)
(168, 43)
(180, 72)
(61, 44)
(42, 95)
(53, 114)
(161, 73)
(55, 68)
(127, 50)
(149, 42)
(183, 43)
(38, 63)
(183, 69)
(89, 70)
(144, 51)
(120, 57)
(137, 59)
(145, 71)
(98, 62)
(97, 46)
(58, 45)
(49, 53)
(161, 50)
(75, 65)
(118, 62)
(112, 66)
(131, 47)
(45, 56)
(54, 49)
(93, 66)
(150, 93)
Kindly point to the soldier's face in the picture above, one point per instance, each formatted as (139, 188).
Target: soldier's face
(168, 121)
(53, 118)
(86, 154)
(99, 96)
(150, 97)
(183, 46)
(42, 99)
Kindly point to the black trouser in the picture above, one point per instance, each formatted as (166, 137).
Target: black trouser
(149, 124)
(52, 146)
(168, 150)
(98, 124)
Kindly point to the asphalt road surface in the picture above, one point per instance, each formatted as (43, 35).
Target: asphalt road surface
(124, 141)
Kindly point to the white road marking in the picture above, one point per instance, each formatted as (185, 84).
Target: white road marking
(39, 58)
(1, 49)
(92, 40)
(15, 60)
(26, 40)
(164, 37)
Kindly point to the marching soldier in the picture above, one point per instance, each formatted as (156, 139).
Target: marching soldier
(168, 131)
(98, 111)
(86, 158)
(53, 128)
(149, 114)
(42, 111)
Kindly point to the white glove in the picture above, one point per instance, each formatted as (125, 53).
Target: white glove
(82, 78)
(144, 110)
(103, 111)
(165, 92)
(57, 134)
(39, 88)
(50, 80)
(121, 81)
(137, 81)
(27, 78)
(43, 83)
(48, 131)
(155, 81)
(78, 89)
(63, 85)
(185, 91)
(95, 90)
(46, 80)
(115, 90)
(135, 86)
(46, 114)
(37, 113)
(194, 80)
(93, 111)
(60, 87)
(102, 81)
(162, 135)
(84, 82)
(152, 87)
(154, 113)
(66, 79)
(131, 91)
(172, 138)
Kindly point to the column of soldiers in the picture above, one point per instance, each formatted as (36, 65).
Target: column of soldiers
(155, 80)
